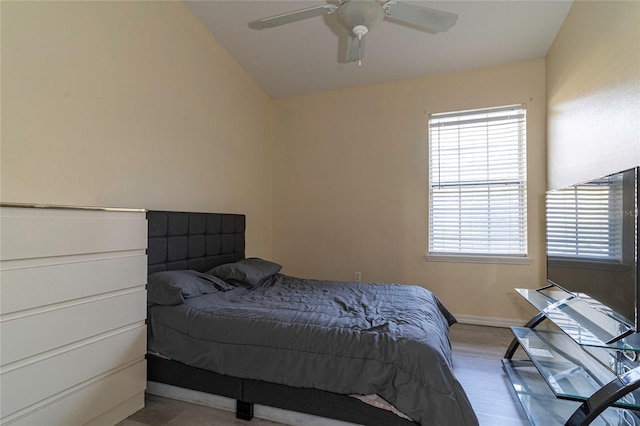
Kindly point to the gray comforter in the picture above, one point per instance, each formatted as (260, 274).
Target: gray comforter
(387, 339)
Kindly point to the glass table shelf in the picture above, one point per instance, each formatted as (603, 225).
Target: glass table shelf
(544, 409)
(581, 321)
(570, 374)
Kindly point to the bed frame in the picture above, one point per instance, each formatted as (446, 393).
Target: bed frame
(201, 241)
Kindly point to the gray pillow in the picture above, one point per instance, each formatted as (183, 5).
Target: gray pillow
(173, 287)
(246, 273)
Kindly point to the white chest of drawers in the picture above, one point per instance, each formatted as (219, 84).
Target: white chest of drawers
(72, 314)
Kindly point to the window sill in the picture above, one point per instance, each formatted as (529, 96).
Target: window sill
(510, 260)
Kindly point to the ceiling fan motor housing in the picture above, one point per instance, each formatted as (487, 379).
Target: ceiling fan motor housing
(360, 12)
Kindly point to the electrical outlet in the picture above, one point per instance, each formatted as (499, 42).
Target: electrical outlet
(357, 276)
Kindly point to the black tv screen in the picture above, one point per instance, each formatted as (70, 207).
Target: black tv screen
(592, 243)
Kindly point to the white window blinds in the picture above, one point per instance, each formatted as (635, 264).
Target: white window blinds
(477, 182)
(581, 221)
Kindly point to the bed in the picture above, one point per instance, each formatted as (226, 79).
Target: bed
(236, 327)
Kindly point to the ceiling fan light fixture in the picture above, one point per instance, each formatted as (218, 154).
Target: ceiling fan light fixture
(357, 13)
(359, 31)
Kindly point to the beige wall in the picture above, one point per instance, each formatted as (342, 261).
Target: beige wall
(350, 185)
(135, 104)
(593, 92)
(131, 104)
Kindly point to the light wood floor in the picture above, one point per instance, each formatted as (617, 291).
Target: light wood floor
(477, 351)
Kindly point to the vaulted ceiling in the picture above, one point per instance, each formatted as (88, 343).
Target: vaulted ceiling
(308, 55)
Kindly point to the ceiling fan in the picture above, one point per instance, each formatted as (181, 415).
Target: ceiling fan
(360, 16)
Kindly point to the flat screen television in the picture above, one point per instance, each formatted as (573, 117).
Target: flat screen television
(592, 243)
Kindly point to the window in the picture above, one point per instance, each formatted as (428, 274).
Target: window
(581, 222)
(477, 185)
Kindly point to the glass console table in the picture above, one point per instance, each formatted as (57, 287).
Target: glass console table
(581, 370)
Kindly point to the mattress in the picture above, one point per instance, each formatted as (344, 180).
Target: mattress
(348, 338)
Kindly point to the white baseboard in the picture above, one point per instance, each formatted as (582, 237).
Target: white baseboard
(489, 321)
(193, 396)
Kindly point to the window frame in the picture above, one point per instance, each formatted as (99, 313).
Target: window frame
(435, 120)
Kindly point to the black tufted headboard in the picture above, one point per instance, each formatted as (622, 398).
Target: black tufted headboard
(198, 241)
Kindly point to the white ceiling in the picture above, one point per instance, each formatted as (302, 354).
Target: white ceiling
(303, 57)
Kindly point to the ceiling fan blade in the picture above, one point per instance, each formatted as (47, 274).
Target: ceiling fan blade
(432, 20)
(355, 49)
(297, 15)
